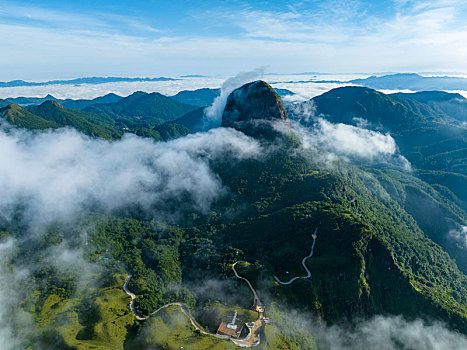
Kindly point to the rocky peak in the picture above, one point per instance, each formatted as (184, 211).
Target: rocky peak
(252, 108)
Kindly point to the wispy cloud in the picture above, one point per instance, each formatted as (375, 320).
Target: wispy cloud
(14, 14)
(294, 36)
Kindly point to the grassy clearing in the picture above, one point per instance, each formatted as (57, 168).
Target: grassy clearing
(171, 329)
(100, 324)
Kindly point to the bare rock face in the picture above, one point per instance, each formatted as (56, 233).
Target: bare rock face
(253, 108)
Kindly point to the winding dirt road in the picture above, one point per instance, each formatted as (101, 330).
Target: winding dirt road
(315, 235)
(180, 305)
(132, 302)
(252, 339)
(244, 279)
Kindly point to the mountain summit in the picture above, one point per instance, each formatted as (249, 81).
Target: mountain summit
(252, 107)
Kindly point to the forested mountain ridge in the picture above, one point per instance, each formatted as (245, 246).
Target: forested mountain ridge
(140, 113)
(88, 123)
(153, 107)
(430, 133)
(52, 114)
(426, 135)
(20, 117)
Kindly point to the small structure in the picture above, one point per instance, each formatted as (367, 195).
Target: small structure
(231, 329)
(255, 306)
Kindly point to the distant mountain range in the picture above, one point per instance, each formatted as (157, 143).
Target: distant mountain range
(193, 76)
(399, 81)
(412, 81)
(67, 103)
(89, 80)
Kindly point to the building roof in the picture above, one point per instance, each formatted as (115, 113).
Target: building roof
(234, 333)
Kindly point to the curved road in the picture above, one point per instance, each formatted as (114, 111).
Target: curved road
(315, 235)
(132, 302)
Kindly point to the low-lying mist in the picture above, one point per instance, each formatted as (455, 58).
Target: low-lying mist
(378, 332)
(350, 143)
(55, 174)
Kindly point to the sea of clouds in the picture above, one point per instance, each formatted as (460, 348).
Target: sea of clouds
(299, 84)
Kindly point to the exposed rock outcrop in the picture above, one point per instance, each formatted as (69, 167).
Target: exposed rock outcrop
(253, 108)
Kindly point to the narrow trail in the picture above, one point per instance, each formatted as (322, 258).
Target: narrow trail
(315, 235)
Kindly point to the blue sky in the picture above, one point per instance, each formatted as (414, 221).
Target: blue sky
(64, 39)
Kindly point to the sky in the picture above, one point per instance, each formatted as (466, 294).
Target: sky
(50, 39)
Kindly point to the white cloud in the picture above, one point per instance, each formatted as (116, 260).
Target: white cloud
(459, 234)
(295, 83)
(89, 91)
(347, 142)
(56, 174)
(213, 114)
(13, 323)
(389, 333)
(352, 141)
(379, 332)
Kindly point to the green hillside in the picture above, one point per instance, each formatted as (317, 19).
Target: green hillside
(82, 104)
(429, 134)
(343, 105)
(51, 114)
(192, 120)
(428, 130)
(21, 117)
(371, 257)
(87, 123)
(200, 97)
